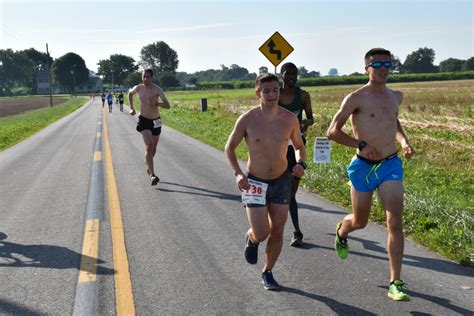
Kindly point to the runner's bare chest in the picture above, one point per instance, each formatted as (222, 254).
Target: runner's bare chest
(271, 132)
(377, 109)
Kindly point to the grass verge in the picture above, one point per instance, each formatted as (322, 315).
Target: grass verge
(14, 129)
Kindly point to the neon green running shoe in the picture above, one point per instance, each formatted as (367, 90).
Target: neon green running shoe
(397, 291)
(340, 244)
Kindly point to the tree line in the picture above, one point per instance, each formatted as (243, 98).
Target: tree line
(422, 61)
(19, 69)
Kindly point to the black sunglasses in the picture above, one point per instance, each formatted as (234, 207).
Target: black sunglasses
(378, 64)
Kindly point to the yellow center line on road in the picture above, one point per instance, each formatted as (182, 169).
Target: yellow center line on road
(124, 301)
(90, 252)
(97, 156)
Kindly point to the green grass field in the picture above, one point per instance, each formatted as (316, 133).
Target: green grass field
(438, 118)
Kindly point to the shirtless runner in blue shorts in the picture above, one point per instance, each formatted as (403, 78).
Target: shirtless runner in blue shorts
(373, 111)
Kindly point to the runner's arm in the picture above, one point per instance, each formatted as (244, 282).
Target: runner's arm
(335, 132)
(403, 140)
(300, 149)
(165, 104)
(401, 136)
(131, 93)
(238, 133)
(308, 111)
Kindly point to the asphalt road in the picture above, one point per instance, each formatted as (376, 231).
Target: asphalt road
(184, 237)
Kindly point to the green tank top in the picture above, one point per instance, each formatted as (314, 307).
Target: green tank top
(296, 106)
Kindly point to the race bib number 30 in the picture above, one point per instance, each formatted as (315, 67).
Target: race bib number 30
(256, 193)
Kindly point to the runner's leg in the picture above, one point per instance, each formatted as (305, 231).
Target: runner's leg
(277, 216)
(259, 225)
(151, 142)
(361, 203)
(391, 197)
(294, 205)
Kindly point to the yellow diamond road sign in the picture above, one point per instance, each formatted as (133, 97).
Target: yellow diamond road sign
(276, 48)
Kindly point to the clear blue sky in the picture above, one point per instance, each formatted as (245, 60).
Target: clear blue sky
(206, 34)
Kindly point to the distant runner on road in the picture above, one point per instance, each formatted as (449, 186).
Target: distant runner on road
(120, 100)
(102, 96)
(149, 119)
(373, 110)
(266, 187)
(110, 100)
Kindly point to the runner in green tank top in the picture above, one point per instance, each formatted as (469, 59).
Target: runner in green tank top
(295, 100)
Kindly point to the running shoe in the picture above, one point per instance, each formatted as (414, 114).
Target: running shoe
(397, 291)
(251, 250)
(154, 180)
(297, 239)
(269, 282)
(340, 244)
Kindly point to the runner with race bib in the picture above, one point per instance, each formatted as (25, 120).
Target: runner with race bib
(266, 187)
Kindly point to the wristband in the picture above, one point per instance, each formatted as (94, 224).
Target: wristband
(302, 164)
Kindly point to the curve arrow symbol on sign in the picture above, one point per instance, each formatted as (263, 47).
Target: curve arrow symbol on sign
(272, 45)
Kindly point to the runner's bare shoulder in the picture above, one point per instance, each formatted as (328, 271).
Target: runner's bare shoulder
(136, 88)
(398, 95)
(356, 96)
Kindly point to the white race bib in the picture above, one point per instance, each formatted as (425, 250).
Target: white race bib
(157, 123)
(256, 193)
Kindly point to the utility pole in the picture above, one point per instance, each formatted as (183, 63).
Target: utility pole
(49, 78)
(112, 71)
(73, 80)
(1, 88)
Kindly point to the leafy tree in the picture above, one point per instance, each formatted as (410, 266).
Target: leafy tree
(250, 76)
(182, 77)
(41, 61)
(468, 64)
(168, 79)
(193, 80)
(262, 70)
(451, 65)
(235, 72)
(117, 67)
(420, 61)
(304, 73)
(133, 79)
(70, 69)
(16, 70)
(208, 75)
(232, 73)
(159, 57)
(397, 64)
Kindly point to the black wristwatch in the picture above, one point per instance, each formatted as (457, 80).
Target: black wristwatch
(362, 145)
(302, 164)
